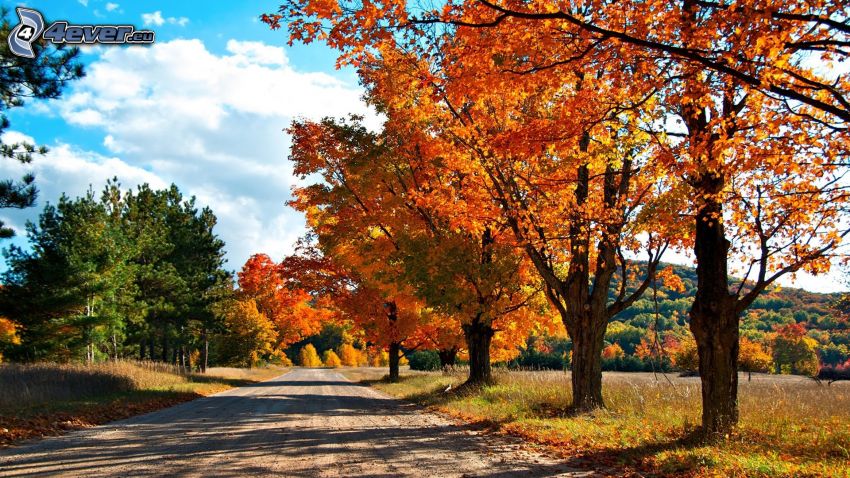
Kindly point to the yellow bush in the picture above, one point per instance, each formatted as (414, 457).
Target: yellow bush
(331, 359)
(308, 357)
(379, 358)
(350, 356)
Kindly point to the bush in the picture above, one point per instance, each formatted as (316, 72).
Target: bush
(308, 357)
(424, 360)
(350, 356)
(331, 359)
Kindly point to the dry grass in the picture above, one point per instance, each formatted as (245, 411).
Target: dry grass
(47, 399)
(790, 426)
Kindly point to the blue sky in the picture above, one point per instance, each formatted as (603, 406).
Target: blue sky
(204, 108)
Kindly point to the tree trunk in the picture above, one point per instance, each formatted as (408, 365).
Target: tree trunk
(395, 356)
(164, 346)
(205, 352)
(586, 367)
(448, 357)
(714, 319)
(478, 336)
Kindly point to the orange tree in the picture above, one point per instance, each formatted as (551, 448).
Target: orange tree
(761, 149)
(344, 213)
(570, 194)
(294, 313)
(472, 276)
(350, 297)
(758, 151)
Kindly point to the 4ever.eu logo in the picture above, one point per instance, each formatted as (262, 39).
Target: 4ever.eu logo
(31, 28)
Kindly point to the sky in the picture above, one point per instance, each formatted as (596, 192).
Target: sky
(204, 108)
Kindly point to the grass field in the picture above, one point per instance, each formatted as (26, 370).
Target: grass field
(48, 399)
(790, 426)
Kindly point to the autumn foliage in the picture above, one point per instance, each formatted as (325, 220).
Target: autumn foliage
(308, 357)
(331, 359)
(294, 312)
(8, 333)
(349, 356)
(586, 132)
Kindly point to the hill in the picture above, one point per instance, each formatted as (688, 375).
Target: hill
(657, 325)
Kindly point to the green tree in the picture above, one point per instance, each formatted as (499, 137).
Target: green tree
(68, 291)
(107, 277)
(794, 352)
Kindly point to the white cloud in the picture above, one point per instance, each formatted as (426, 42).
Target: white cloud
(157, 19)
(84, 3)
(111, 6)
(154, 18)
(66, 168)
(257, 52)
(212, 124)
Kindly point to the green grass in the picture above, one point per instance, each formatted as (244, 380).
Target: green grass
(790, 426)
(47, 399)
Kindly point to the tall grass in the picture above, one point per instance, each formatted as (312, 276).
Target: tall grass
(790, 426)
(39, 383)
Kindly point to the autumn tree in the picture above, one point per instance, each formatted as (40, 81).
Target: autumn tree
(686, 357)
(294, 312)
(331, 359)
(384, 313)
(472, 275)
(794, 352)
(250, 336)
(754, 357)
(8, 335)
(612, 351)
(350, 356)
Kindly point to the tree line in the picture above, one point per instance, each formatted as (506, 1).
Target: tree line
(136, 273)
(549, 143)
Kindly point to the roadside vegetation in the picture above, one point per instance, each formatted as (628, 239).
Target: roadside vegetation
(48, 399)
(789, 427)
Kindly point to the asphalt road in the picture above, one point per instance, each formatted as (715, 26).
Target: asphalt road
(308, 422)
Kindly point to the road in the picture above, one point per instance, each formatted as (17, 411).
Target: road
(308, 422)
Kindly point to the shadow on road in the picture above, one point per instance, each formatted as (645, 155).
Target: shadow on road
(290, 427)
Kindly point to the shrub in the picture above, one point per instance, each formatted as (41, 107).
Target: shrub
(379, 358)
(331, 359)
(424, 360)
(351, 356)
(308, 357)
